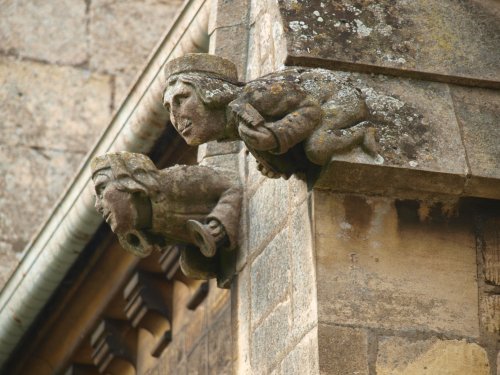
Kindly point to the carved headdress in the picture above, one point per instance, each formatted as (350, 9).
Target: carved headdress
(133, 172)
(209, 65)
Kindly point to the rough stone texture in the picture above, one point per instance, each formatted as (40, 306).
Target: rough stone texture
(198, 359)
(491, 251)
(268, 208)
(49, 31)
(379, 265)
(303, 359)
(342, 350)
(305, 307)
(434, 38)
(52, 107)
(129, 29)
(267, 44)
(271, 338)
(32, 180)
(418, 136)
(8, 260)
(478, 113)
(490, 313)
(219, 345)
(401, 356)
(270, 276)
(43, 136)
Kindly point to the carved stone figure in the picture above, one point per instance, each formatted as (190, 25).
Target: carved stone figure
(287, 119)
(149, 208)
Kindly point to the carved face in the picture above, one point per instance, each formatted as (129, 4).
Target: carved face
(118, 207)
(192, 119)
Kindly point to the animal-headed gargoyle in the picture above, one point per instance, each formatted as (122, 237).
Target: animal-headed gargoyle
(288, 119)
(149, 209)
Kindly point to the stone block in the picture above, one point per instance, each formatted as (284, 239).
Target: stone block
(490, 313)
(270, 276)
(220, 345)
(49, 31)
(253, 177)
(342, 350)
(491, 251)
(268, 209)
(419, 143)
(305, 306)
(195, 326)
(380, 265)
(53, 107)
(398, 356)
(270, 339)
(197, 360)
(267, 44)
(32, 178)
(445, 40)
(114, 51)
(303, 359)
(218, 148)
(217, 300)
(241, 323)
(231, 43)
(228, 13)
(478, 113)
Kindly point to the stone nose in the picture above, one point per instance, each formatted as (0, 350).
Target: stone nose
(98, 205)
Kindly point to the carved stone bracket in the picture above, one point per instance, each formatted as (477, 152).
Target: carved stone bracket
(149, 306)
(114, 347)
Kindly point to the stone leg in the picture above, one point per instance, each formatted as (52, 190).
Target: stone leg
(326, 142)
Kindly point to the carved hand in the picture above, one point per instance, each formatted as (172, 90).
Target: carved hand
(259, 138)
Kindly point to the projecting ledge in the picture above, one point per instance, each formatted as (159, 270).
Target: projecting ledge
(435, 140)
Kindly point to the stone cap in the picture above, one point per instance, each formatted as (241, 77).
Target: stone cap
(212, 65)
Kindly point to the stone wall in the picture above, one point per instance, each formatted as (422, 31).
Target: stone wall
(398, 286)
(64, 68)
(201, 340)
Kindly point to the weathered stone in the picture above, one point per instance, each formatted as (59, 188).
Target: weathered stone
(60, 108)
(491, 251)
(478, 113)
(218, 148)
(55, 32)
(490, 313)
(198, 359)
(196, 324)
(444, 40)
(225, 14)
(270, 339)
(380, 265)
(8, 260)
(32, 178)
(220, 345)
(231, 42)
(149, 208)
(342, 350)
(418, 136)
(144, 23)
(305, 306)
(267, 44)
(262, 220)
(303, 359)
(270, 276)
(241, 324)
(398, 356)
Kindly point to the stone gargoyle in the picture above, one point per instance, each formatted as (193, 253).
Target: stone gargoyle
(149, 209)
(287, 120)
